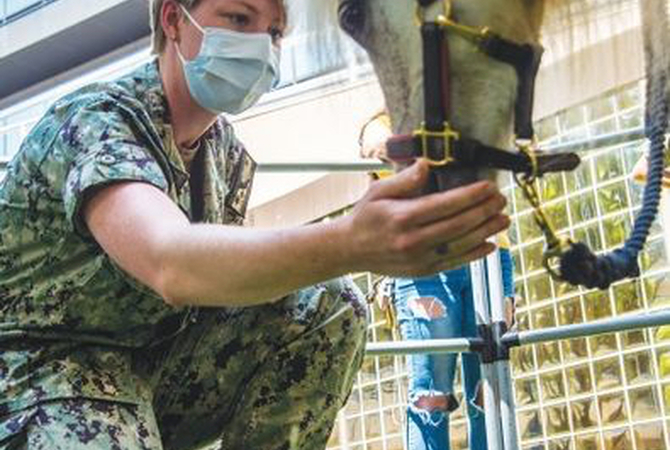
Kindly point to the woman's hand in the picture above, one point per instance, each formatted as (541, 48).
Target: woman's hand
(393, 232)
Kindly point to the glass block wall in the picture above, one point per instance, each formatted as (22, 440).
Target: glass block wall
(600, 392)
(585, 394)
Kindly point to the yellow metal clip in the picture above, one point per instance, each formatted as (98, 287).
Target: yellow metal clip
(447, 134)
(529, 148)
(420, 13)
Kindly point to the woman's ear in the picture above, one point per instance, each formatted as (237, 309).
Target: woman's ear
(170, 18)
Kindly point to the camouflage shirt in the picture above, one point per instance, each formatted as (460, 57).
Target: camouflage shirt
(65, 308)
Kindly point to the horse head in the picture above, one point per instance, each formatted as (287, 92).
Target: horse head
(483, 90)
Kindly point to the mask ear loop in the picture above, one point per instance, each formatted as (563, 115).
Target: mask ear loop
(191, 19)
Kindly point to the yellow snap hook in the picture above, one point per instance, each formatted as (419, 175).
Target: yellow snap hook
(420, 13)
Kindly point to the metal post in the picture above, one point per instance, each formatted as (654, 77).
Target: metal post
(326, 166)
(368, 166)
(489, 383)
(464, 345)
(607, 140)
(505, 386)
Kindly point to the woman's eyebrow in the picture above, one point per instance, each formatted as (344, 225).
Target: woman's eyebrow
(246, 5)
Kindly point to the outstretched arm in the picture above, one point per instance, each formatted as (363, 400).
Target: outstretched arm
(390, 232)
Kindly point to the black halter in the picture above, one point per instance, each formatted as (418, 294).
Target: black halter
(444, 146)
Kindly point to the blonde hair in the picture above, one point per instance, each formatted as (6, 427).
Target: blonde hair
(158, 35)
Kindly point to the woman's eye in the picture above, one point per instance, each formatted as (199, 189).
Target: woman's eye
(351, 16)
(238, 20)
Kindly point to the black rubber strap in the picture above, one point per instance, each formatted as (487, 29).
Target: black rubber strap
(435, 111)
(525, 58)
(469, 152)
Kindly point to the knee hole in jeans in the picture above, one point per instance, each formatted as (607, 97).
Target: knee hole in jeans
(439, 402)
(427, 307)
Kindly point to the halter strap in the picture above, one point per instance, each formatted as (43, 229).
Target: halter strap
(436, 140)
(469, 152)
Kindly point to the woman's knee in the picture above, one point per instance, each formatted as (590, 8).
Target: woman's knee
(427, 308)
(436, 402)
(431, 409)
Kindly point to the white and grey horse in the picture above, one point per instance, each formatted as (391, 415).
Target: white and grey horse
(483, 91)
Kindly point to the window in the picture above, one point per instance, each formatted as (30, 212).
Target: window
(11, 10)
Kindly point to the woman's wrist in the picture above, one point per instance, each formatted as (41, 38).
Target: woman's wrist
(338, 244)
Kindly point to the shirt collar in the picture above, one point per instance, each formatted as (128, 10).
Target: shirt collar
(149, 88)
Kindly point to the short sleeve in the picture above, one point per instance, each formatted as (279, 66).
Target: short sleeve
(103, 147)
(240, 172)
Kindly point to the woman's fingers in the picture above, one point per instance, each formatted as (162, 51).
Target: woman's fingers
(397, 234)
(454, 262)
(473, 239)
(458, 249)
(406, 184)
(456, 227)
(439, 206)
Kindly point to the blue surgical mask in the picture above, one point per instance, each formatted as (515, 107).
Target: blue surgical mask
(232, 69)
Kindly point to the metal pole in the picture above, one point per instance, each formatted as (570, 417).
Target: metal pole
(354, 166)
(464, 345)
(489, 382)
(588, 329)
(506, 403)
(607, 140)
(368, 166)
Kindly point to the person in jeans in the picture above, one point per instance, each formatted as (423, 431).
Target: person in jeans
(442, 307)
(435, 307)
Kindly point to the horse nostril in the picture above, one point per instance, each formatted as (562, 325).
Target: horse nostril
(351, 17)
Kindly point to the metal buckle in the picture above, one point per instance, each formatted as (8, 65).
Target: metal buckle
(420, 13)
(444, 20)
(447, 134)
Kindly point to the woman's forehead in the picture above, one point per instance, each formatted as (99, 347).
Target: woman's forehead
(275, 7)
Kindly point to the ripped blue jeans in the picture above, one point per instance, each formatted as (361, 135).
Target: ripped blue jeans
(439, 307)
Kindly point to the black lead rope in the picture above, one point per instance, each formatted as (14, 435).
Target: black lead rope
(580, 266)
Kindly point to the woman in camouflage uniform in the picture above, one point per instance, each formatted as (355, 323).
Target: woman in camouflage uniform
(134, 314)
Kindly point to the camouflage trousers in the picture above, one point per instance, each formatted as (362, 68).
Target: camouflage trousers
(270, 377)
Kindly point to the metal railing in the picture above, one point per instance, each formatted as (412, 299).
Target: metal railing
(369, 166)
